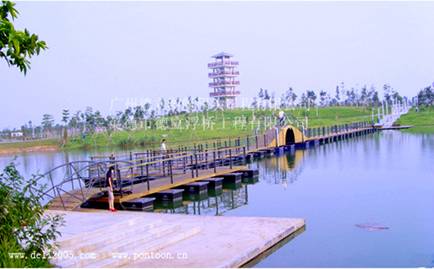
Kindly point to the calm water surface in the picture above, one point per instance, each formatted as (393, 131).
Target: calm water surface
(384, 179)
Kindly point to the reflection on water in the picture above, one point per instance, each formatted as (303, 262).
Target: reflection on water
(385, 178)
(284, 169)
(218, 205)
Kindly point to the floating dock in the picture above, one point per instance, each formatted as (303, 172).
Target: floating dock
(150, 173)
(135, 239)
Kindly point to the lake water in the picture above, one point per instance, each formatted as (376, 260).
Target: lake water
(385, 179)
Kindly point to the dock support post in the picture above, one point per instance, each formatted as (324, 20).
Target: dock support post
(206, 158)
(265, 140)
(183, 164)
(214, 162)
(196, 165)
(170, 171)
(256, 138)
(244, 154)
(191, 165)
(230, 158)
(147, 176)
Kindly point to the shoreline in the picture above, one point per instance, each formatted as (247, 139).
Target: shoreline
(30, 149)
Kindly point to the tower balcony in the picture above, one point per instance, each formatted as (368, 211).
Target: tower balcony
(224, 94)
(223, 63)
(223, 74)
(223, 84)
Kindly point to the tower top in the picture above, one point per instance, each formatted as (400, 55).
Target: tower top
(222, 54)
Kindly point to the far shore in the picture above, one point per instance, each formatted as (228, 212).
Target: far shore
(27, 147)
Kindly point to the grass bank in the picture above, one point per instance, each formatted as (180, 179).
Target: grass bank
(196, 127)
(29, 146)
(422, 121)
(214, 125)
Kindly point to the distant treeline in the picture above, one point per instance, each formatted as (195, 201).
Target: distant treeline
(90, 121)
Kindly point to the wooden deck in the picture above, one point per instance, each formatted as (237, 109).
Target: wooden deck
(68, 201)
(168, 171)
(140, 190)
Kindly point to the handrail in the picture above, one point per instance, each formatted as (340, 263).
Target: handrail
(172, 162)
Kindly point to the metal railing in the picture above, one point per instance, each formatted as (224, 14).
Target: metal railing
(82, 179)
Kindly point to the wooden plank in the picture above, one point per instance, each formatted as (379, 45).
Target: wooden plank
(141, 189)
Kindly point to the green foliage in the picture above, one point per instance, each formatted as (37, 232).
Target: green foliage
(225, 124)
(16, 46)
(25, 229)
(425, 97)
(422, 121)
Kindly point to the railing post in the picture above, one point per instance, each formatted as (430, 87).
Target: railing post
(230, 158)
(141, 167)
(214, 162)
(197, 171)
(147, 176)
(244, 154)
(131, 159)
(191, 165)
(170, 171)
(265, 140)
(256, 139)
(72, 181)
(206, 159)
(184, 164)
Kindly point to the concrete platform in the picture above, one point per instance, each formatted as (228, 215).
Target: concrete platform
(138, 239)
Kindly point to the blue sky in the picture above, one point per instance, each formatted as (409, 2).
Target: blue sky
(105, 52)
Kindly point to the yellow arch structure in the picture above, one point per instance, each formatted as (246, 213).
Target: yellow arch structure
(282, 136)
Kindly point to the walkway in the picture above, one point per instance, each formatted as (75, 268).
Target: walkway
(129, 239)
(148, 172)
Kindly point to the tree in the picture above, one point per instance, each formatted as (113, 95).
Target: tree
(109, 124)
(323, 98)
(304, 100)
(273, 100)
(387, 91)
(289, 98)
(47, 122)
(16, 46)
(425, 97)
(311, 97)
(90, 119)
(292, 96)
(163, 106)
(364, 96)
(125, 117)
(65, 118)
(24, 226)
(283, 101)
(139, 114)
(375, 98)
(255, 103)
(146, 108)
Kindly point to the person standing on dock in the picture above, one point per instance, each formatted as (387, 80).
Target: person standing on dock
(163, 148)
(282, 118)
(111, 198)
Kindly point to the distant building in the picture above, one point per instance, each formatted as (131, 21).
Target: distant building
(224, 80)
(17, 134)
